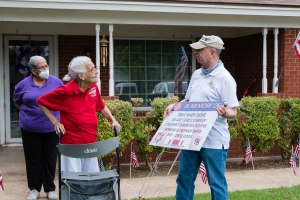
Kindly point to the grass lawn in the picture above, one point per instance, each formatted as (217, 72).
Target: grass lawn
(283, 193)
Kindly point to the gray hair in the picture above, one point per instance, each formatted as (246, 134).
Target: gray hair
(76, 66)
(218, 51)
(33, 60)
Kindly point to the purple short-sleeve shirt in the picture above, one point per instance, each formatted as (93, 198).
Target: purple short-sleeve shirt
(30, 115)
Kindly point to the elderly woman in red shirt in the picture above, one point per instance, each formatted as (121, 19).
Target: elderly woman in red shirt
(78, 101)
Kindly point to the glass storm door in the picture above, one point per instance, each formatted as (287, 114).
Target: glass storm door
(18, 50)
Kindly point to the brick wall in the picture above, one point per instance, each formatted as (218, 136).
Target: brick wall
(289, 83)
(249, 62)
(139, 115)
(228, 55)
(242, 57)
(70, 46)
(290, 79)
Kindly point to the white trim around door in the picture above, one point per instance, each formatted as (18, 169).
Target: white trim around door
(8, 117)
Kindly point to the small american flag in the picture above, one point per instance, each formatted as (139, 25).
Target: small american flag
(203, 172)
(293, 163)
(180, 70)
(135, 162)
(248, 154)
(101, 165)
(297, 45)
(297, 148)
(1, 183)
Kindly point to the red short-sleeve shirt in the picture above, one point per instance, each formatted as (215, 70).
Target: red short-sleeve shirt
(77, 111)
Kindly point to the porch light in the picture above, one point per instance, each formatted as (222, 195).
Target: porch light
(103, 52)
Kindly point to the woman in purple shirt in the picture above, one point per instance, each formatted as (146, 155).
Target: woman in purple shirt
(38, 134)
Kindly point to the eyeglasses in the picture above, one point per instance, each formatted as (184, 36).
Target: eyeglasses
(42, 67)
(94, 69)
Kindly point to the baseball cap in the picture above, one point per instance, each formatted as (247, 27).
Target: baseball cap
(208, 41)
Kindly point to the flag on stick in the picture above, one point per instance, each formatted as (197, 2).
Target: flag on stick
(203, 172)
(248, 154)
(134, 159)
(297, 45)
(101, 165)
(297, 148)
(1, 183)
(293, 163)
(180, 70)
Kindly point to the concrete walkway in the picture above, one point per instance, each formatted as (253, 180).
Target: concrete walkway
(12, 166)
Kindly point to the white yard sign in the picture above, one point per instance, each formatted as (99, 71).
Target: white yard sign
(188, 125)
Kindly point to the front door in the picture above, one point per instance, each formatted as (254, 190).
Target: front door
(17, 51)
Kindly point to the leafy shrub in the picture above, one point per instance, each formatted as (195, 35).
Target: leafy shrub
(233, 125)
(289, 125)
(137, 101)
(123, 113)
(144, 129)
(260, 126)
(295, 114)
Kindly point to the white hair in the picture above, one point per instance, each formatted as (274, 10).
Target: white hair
(76, 66)
(33, 60)
(218, 51)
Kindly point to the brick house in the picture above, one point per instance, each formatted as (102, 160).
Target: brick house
(144, 37)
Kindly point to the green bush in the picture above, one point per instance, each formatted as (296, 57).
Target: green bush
(123, 113)
(295, 114)
(233, 125)
(145, 129)
(289, 125)
(260, 126)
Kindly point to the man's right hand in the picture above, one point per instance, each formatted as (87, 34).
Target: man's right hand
(168, 110)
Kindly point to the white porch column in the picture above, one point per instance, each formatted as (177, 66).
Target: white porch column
(193, 58)
(2, 99)
(97, 27)
(111, 61)
(264, 80)
(275, 79)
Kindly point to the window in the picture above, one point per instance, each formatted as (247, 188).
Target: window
(163, 88)
(143, 64)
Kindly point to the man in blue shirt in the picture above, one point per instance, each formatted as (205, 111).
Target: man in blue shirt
(212, 82)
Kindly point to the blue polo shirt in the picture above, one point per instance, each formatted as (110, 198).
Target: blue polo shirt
(31, 117)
